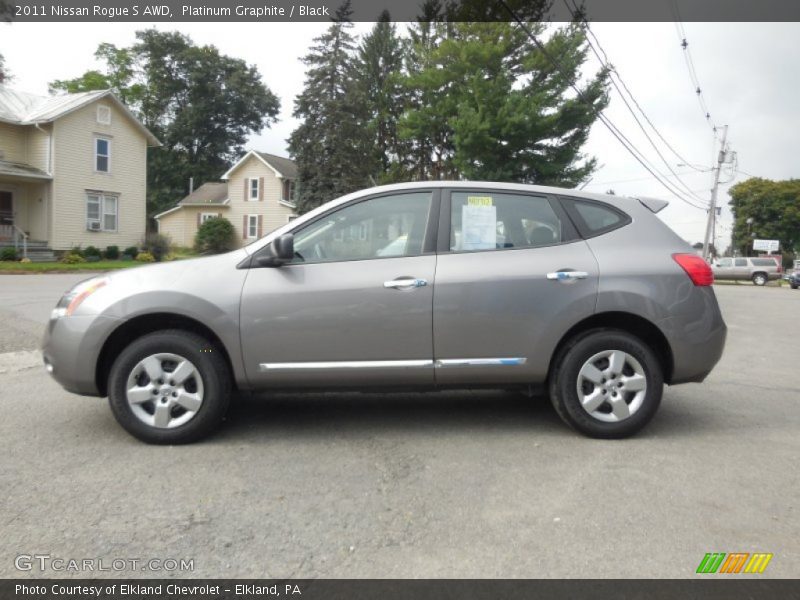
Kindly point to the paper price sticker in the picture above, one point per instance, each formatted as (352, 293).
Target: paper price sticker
(479, 200)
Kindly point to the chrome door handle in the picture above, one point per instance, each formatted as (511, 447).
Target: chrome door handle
(567, 275)
(405, 283)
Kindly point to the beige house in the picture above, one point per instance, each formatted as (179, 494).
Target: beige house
(257, 198)
(73, 171)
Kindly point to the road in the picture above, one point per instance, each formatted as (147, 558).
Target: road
(486, 484)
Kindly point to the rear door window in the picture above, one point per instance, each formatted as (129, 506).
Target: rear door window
(741, 262)
(485, 220)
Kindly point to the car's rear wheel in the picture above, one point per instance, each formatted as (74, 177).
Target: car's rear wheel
(606, 384)
(793, 286)
(760, 278)
(169, 387)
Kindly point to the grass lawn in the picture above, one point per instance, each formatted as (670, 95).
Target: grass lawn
(57, 267)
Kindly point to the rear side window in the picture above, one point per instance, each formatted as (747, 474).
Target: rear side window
(740, 262)
(593, 218)
(763, 262)
(490, 221)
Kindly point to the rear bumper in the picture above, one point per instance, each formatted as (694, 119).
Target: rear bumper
(697, 340)
(70, 350)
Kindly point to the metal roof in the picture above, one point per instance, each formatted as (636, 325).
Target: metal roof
(22, 108)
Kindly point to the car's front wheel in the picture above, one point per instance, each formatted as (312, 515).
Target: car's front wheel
(760, 279)
(606, 383)
(169, 387)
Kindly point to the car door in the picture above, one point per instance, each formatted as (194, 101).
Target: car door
(512, 275)
(741, 269)
(354, 308)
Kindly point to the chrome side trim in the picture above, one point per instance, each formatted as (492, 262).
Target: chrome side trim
(346, 364)
(479, 362)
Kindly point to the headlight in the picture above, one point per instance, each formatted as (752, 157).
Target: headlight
(72, 299)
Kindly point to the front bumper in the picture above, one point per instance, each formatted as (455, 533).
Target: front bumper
(71, 348)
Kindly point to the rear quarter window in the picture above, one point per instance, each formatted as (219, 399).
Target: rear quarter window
(594, 218)
(763, 262)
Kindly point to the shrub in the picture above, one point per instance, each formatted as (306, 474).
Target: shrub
(25, 260)
(131, 251)
(214, 236)
(93, 258)
(76, 250)
(8, 254)
(91, 251)
(72, 258)
(157, 245)
(145, 257)
(112, 252)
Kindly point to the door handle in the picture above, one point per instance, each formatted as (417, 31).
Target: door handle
(567, 275)
(405, 283)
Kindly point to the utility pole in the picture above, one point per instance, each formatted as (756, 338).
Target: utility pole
(712, 209)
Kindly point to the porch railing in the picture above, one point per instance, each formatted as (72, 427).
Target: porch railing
(19, 237)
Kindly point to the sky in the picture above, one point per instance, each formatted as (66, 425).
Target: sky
(747, 72)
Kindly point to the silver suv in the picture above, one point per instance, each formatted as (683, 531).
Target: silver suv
(758, 270)
(423, 285)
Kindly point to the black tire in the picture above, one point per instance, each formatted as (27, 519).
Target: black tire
(563, 384)
(760, 279)
(212, 369)
(793, 286)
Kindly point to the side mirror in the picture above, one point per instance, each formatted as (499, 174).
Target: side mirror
(279, 252)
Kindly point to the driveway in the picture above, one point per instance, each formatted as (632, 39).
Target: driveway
(457, 484)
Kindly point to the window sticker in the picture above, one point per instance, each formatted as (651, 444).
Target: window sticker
(479, 200)
(479, 226)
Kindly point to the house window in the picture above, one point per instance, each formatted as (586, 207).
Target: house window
(206, 216)
(288, 191)
(102, 155)
(253, 195)
(103, 115)
(252, 226)
(101, 212)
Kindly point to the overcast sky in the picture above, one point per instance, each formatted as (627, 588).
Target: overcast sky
(747, 72)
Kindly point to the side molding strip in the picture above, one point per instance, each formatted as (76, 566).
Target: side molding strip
(392, 364)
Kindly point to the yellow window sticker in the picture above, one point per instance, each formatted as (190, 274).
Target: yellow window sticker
(479, 200)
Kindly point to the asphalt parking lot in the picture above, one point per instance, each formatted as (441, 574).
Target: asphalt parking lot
(487, 484)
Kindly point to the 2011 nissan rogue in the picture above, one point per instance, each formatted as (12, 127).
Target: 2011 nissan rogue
(421, 285)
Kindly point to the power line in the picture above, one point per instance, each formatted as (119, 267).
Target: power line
(687, 56)
(626, 143)
(613, 69)
(614, 76)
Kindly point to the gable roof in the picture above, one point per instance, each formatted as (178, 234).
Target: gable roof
(22, 108)
(211, 193)
(282, 167)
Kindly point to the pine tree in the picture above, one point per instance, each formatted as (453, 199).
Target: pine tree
(332, 145)
(488, 104)
(379, 67)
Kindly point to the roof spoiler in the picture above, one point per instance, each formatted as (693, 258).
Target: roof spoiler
(654, 204)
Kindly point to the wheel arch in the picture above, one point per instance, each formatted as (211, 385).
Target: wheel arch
(141, 325)
(631, 323)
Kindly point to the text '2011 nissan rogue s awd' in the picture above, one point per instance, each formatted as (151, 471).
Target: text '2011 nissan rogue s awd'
(422, 285)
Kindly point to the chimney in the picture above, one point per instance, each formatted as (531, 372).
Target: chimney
(191, 184)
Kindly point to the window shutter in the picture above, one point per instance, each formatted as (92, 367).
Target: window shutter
(258, 235)
(260, 190)
(246, 189)
(244, 226)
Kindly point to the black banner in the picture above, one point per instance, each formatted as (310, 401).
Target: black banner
(399, 10)
(712, 587)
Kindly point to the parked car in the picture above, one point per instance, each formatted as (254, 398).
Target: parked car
(759, 270)
(494, 285)
(794, 279)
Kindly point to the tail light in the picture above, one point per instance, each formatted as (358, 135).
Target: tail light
(696, 268)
